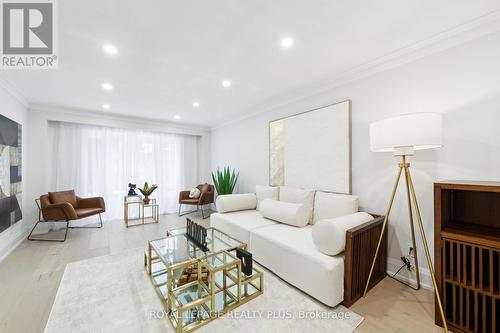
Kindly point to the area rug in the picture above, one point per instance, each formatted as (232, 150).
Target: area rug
(113, 293)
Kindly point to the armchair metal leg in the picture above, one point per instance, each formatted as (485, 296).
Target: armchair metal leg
(185, 213)
(203, 213)
(90, 227)
(48, 239)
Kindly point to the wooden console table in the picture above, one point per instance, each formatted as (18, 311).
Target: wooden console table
(467, 254)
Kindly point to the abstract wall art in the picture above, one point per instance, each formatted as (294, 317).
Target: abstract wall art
(312, 149)
(10, 172)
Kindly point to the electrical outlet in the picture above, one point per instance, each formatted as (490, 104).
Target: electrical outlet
(410, 252)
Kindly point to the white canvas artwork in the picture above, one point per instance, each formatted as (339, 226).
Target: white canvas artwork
(313, 149)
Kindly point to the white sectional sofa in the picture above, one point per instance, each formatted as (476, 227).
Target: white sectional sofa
(304, 241)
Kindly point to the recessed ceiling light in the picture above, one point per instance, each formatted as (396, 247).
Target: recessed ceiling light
(226, 83)
(107, 86)
(177, 117)
(196, 105)
(110, 49)
(106, 106)
(286, 42)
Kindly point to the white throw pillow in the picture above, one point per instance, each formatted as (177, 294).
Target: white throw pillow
(194, 193)
(266, 192)
(234, 202)
(329, 235)
(298, 195)
(330, 205)
(285, 212)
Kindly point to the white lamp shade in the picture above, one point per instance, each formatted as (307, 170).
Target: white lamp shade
(403, 134)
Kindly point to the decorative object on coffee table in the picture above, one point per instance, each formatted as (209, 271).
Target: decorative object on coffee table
(246, 261)
(197, 234)
(131, 189)
(225, 180)
(190, 274)
(147, 190)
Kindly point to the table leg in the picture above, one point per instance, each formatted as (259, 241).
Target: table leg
(125, 215)
(150, 268)
(239, 283)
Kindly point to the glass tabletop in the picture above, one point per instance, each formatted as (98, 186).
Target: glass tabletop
(220, 259)
(178, 248)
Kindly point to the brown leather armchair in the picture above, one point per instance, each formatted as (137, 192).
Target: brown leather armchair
(206, 197)
(65, 206)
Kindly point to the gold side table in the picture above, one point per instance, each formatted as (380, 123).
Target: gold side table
(131, 200)
(141, 207)
(155, 212)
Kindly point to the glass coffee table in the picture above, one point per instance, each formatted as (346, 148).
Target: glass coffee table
(196, 287)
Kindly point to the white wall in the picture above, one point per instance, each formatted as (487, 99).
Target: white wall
(12, 108)
(462, 82)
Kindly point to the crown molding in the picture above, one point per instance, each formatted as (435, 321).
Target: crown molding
(59, 113)
(457, 35)
(13, 92)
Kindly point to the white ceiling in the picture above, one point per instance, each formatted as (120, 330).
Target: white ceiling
(172, 53)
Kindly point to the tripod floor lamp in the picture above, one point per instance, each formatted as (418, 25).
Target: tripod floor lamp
(402, 136)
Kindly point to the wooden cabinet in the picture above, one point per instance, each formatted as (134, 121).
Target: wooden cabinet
(467, 254)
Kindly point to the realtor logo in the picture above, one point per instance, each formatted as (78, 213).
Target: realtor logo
(29, 34)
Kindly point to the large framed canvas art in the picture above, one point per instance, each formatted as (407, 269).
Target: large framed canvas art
(10, 172)
(312, 149)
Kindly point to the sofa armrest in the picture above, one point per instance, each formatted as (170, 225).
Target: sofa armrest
(235, 202)
(95, 202)
(361, 244)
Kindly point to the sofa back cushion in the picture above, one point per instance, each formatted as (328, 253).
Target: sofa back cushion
(285, 212)
(298, 196)
(331, 205)
(266, 192)
(234, 202)
(63, 196)
(329, 235)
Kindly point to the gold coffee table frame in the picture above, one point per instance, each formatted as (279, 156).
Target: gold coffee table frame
(227, 286)
(137, 200)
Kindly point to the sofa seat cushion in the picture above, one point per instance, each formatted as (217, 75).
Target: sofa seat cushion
(290, 253)
(85, 212)
(190, 201)
(239, 224)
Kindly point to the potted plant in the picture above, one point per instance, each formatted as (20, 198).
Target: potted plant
(147, 190)
(225, 180)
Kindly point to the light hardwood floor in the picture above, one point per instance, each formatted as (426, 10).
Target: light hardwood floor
(30, 276)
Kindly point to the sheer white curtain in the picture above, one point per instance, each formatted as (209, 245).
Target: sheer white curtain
(101, 161)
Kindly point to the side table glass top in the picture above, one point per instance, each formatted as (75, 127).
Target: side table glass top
(178, 248)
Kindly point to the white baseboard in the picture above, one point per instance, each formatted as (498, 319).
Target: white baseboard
(11, 246)
(409, 277)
